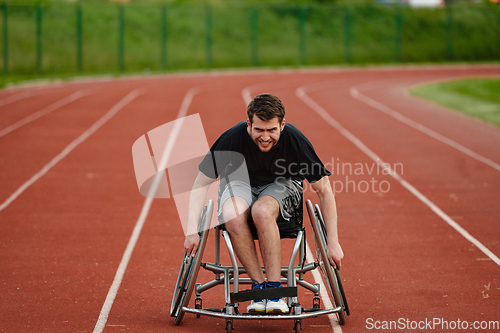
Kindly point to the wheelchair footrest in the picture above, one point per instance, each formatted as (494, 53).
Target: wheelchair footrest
(248, 295)
(303, 315)
(310, 310)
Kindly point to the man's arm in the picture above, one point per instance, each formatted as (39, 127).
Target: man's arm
(196, 203)
(329, 211)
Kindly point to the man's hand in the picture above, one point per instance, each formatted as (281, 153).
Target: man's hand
(335, 254)
(191, 244)
(329, 210)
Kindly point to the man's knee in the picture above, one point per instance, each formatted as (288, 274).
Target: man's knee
(235, 210)
(265, 209)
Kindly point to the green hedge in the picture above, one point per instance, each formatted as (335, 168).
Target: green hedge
(98, 38)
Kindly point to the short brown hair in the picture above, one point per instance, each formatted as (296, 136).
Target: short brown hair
(266, 107)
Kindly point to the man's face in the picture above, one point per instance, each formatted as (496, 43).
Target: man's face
(264, 133)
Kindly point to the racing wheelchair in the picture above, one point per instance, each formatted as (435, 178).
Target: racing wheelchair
(334, 299)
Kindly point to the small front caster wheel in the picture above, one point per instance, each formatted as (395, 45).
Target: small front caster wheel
(229, 326)
(297, 327)
(198, 305)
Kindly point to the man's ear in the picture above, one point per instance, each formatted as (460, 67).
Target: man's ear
(249, 127)
(283, 124)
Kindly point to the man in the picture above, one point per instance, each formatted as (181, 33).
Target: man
(278, 157)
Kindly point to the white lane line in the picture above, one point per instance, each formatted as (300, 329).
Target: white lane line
(301, 93)
(127, 99)
(16, 97)
(323, 292)
(247, 97)
(113, 290)
(60, 103)
(354, 92)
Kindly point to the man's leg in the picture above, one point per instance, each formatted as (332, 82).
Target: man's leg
(236, 212)
(265, 212)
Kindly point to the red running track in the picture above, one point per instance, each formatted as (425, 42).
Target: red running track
(422, 245)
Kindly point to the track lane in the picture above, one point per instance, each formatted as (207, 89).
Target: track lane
(393, 96)
(40, 113)
(26, 150)
(6, 99)
(29, 104)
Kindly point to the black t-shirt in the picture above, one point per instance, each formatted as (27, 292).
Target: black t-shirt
(293, 157)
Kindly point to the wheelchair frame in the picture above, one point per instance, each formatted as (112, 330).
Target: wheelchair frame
(293, 275)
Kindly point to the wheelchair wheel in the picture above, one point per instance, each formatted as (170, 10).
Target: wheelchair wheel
(337, 274)
(180, 286)
(332, 278)
(189, 269)
(229, 326)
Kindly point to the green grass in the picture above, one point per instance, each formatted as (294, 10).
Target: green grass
(476, 97)
(49, 40)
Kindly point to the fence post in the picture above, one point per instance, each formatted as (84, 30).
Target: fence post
(347, 34)
(449, 32)
(164, 36)
(39, 55)
(302, 41)
(79, 38)
(121, 37)
(399, 24)
(254, 34)
(209, 36)
(5, 38)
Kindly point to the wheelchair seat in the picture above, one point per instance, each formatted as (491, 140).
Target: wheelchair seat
(288, 228)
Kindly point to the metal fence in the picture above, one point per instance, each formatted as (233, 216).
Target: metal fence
(129, 37)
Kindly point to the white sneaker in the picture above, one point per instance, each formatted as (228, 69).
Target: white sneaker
(276, 306)
(257, 306)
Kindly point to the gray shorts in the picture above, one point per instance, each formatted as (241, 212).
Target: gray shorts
(287, 192)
